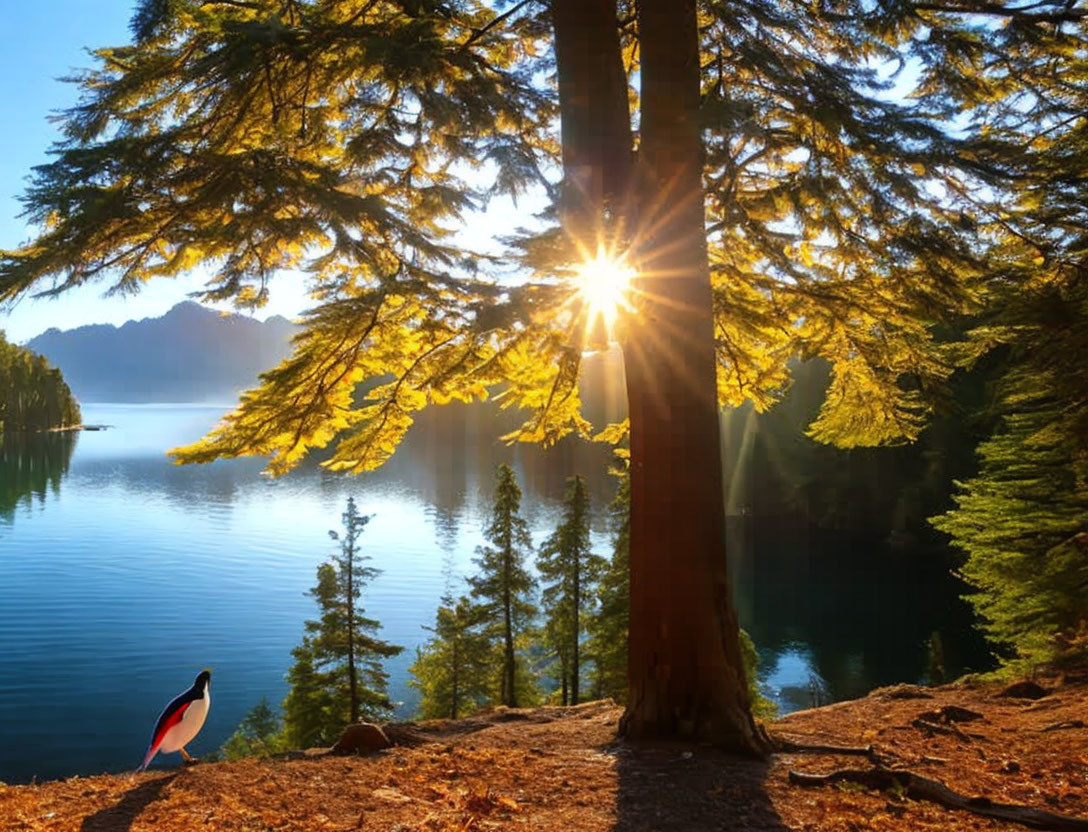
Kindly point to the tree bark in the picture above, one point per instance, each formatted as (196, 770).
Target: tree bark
(685, 674)
(352, 682)
(509, 697)
(595, 125)
(575, 681)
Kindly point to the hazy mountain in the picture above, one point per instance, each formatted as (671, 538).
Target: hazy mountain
(190, 354)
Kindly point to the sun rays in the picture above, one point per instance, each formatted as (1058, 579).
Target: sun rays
(604, 288)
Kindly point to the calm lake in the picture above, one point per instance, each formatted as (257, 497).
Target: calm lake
(122, 575)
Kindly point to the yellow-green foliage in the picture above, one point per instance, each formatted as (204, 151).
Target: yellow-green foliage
(347, 137)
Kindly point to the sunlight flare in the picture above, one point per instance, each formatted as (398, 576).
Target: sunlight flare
(604, 287)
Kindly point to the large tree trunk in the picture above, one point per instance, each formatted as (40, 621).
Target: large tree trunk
(596, 121)
(685, 676)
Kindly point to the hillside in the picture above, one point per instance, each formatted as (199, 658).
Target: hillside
(554, 769)
(33, 394)
(190, 354)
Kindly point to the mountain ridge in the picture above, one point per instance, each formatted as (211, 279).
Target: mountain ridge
(189, 354)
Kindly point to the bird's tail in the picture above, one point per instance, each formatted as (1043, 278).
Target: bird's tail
(148, 757)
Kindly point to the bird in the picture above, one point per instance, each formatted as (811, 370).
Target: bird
(181, 720)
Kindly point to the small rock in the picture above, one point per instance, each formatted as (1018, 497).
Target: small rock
(1024, 690)
(390, 795)
(362, 738)
(1011, 767)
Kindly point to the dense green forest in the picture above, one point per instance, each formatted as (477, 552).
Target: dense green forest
(33, 395)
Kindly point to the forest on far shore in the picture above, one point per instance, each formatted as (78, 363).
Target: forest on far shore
(33, 394)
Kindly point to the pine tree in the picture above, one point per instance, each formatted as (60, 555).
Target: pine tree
(452, 669)
(1023, 519)
(780, 204)
(313, 710)
(259, 734)
(337, 676)
(608, 628)
(569, 572)
(33, 395)
(504, 584)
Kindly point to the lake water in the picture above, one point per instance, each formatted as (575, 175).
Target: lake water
(122, 575)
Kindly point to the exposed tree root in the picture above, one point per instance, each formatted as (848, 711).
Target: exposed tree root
(923, 788)
(936, 728)
(1063, 726)
(784, 746)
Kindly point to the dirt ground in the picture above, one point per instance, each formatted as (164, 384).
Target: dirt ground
(554, 769)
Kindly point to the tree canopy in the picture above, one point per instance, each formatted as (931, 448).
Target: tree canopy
(349, 137)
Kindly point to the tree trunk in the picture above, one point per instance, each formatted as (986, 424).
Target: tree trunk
(509, 697)
(575, 681)
(352, 683)
(685, 676)
(596, 122)
(456, 678)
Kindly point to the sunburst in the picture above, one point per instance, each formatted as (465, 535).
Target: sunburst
(604, 289)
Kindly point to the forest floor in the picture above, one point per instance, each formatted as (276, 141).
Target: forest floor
(558, 769)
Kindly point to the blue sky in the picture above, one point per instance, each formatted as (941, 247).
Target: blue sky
(44, 41)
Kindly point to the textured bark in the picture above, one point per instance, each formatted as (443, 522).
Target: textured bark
(509, 694)
(596, 122)
(685, 675)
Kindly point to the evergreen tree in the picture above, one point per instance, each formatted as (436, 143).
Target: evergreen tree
(313, 710)
(569, 572)
(783, 205)
(608, 628)
(1023, 520)
(452, 669)
(337, 676)
(33, 395)
(259, 734)
(504, 584)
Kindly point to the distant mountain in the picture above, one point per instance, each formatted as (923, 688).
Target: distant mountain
(190, 354)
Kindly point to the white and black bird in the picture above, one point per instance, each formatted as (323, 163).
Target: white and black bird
(181, 720)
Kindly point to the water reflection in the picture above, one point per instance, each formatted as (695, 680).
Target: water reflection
(133, 571)
(32, 465)
(835, 615)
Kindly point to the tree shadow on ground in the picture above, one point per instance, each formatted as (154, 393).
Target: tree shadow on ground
(674, 788)
(119, 818)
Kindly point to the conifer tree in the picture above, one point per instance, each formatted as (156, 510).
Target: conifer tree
(337, 676)
(781, 204)
(259, 734)
(569, 572)
(1023, 520)
(452, 670)
(313, 710)
(33, 394)
(608, 627)
(503, 584)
